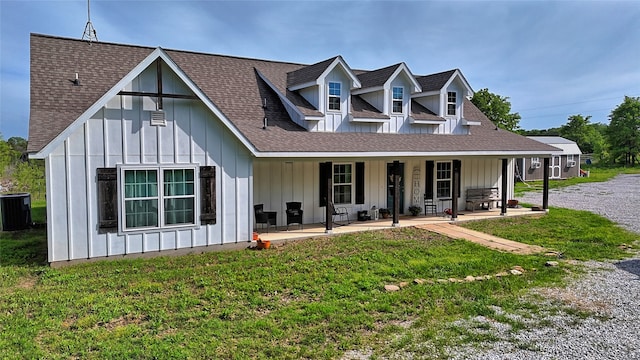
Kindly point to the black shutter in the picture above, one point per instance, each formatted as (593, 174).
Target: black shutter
(359, 183)
(325, 174)
(107, 179)
(428, 184)
(207, 195)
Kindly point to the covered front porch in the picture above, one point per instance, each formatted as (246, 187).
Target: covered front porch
(296, 232)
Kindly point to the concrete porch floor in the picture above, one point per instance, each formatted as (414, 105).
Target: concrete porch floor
(435, 223)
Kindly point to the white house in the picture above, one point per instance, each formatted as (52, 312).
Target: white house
(149, 149)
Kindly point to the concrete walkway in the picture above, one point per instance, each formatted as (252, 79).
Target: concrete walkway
(490, 241)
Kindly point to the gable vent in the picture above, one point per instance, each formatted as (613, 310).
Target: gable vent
(158, 118)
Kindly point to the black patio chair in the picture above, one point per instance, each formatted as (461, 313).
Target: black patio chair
(294, 213)
(265, 217)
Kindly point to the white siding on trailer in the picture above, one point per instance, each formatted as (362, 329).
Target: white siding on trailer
(120, 133)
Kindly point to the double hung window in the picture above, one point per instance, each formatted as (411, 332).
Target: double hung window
(443, 180)
(155, 197)
(342, 183)
(451, 102)
(334, 95)
(397, 95)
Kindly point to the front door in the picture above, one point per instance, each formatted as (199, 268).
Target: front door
(390, 187)
(555, 167)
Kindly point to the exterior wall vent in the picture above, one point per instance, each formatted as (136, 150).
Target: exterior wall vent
(158, 118)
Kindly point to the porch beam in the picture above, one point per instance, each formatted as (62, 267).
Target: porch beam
(455, 194)
(396, 193)
(328, 213)
(545, 184)
(503, 203)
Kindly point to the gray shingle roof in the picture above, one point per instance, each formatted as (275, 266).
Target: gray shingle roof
(434, 81)
(377, 77)
(308, 73)
(235, 87)
(420, 112)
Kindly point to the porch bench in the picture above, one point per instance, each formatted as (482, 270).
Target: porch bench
(482, 196)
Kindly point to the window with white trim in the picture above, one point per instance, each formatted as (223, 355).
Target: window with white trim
(397, 94)
(342, 183)
(155, 197)
(334, 95)
(443, 179)
(451, 102)
(570, 157)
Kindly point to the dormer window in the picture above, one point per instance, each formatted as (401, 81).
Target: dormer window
(451, 103)
(398, 95)
(334, 95)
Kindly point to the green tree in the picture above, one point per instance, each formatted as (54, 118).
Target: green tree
(7, 156)
(497, 108)
(585, 134)
(624, 131)
(28, 176)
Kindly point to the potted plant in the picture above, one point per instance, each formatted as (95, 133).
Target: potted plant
(384, 213)
(415, 210)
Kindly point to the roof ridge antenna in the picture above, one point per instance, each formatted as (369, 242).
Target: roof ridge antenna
(89, 32)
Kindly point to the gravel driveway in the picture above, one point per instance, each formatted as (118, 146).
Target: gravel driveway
(610, 289)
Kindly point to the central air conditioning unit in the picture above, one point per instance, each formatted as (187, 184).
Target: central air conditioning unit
(571, 163)
(535, 165)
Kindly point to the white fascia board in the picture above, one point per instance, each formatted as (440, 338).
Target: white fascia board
(466, 122)
(426, 93)
(314, 118)
(427, 122)
(136, 71)
(303, 86)
(369, 120)
(280, 95)
(324, 155)
(367, 90)
(355, 83)
(458, 74)
(403, 68)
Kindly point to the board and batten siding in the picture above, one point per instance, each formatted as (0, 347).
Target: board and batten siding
(121, 134)
(277, 182)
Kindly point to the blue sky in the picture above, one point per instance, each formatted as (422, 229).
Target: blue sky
(552, 59)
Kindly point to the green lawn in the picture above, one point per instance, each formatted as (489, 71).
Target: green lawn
(314, 298)
(596, 174)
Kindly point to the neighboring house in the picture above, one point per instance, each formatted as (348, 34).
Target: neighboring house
(563, 164)
(148, 149)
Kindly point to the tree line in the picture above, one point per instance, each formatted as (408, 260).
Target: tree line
(17, 172)
(616, 143)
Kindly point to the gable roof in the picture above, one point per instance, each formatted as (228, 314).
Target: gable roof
(380, 78)
(56, 103)
(311, 75)
(567, 147)
(435, 82)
